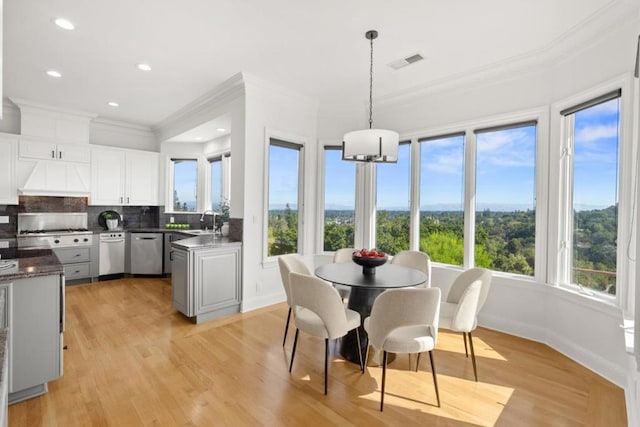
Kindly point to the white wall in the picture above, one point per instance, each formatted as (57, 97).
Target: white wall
(272, 110)
(586, 330)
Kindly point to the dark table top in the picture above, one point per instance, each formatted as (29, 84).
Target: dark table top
(387, 276)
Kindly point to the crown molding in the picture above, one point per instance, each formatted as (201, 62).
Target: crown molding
(616, 14)
(117, 124)
(225, 92)
(253, 82)
(26, 105)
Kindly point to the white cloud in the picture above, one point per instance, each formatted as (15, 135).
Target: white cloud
(596, 132)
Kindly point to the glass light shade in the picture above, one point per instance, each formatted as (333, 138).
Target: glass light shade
(371, 145)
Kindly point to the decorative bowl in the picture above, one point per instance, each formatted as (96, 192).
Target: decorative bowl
(369, 264)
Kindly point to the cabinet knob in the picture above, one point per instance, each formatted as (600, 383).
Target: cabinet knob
(53, 154)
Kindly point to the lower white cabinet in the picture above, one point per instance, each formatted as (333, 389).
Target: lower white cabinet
(206, 282)
(33, 313)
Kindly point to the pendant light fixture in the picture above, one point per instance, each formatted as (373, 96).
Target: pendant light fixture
(371, 145)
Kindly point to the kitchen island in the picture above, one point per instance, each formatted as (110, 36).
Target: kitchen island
(32, 311)
(206, 276)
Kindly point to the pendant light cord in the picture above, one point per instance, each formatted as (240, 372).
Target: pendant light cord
(371, 87)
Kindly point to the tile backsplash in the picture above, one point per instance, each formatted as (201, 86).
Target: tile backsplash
(10, 211)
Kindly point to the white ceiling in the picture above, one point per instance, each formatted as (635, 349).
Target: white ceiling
(315, 48)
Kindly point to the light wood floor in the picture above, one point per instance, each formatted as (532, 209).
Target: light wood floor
(133, 360)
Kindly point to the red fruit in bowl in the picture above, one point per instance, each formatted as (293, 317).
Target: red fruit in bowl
(364, 253)
(381, 255)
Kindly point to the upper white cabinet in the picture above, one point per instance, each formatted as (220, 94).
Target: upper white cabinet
(53, 124)
(124, 177)
(8, 183)
(42, 150)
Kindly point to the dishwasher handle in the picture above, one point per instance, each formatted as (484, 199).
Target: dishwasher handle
(112, 241)
(146, 238)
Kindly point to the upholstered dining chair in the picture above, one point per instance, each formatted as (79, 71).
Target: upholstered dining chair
(343, 255)
(415, 259)
(320, 312)
(464, 301)
(287, 264)
(404, 321)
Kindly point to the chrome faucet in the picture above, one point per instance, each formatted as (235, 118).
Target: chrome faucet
(212, 213)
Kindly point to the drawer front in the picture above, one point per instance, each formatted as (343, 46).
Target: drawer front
(76, 271)
(68, 255)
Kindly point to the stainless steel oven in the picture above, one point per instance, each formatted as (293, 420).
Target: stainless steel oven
(64, 232)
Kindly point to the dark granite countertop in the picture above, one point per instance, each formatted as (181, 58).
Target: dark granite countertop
(21, 263)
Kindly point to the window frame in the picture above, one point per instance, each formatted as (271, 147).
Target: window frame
(417, 176)
(539, 114)
(170, 186)
(321, 195)
(374, 190)
(294, 142)
(560, 194)
(512, 124)
(225, 165)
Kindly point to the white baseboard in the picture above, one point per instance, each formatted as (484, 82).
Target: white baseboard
(592, 361)
(261, 301)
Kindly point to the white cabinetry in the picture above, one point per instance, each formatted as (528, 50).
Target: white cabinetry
(8, 183)
(206, 281)
(45, 150)
(124, 177)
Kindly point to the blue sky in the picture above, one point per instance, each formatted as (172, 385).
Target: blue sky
(505, 173)
(596, 156)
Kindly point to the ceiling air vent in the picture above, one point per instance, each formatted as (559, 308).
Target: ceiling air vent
(411, 59)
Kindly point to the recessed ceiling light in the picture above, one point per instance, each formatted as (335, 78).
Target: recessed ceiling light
(54, 73)
(221, 130)
(144, 67)
(64, 24)
(112, 104)
(198, 138)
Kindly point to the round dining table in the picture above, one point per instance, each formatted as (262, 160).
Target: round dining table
(365, 288)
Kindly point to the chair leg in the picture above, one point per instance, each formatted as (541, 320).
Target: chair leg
(359, 350)
(366, 359)
(293, 352)
(286, 328)
(417, 361)
(435, 378)
(473, 358)
(384, 377)
(326, 363)
(464, 337)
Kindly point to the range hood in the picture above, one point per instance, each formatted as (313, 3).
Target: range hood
(53, 178)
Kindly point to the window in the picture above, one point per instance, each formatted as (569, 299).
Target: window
(220, 185)
(594, 129)
(442, 198)
(505, 214)
(393, 182)
(185, 184)
(339, 200)
(283, 197)
(216, 183)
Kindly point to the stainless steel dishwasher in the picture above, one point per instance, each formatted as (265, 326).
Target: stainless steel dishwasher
(146, 253)
(111, 253)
